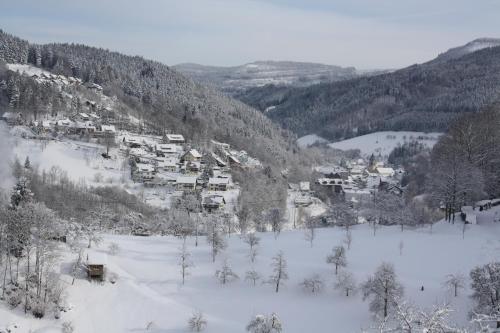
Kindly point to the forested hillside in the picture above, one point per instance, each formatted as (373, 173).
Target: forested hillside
(149, 89)
(424, 97)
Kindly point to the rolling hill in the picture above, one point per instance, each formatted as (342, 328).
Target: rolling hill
(148, 89)
(425, 97)
(234, 80)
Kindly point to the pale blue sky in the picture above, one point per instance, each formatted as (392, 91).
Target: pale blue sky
(361, 33)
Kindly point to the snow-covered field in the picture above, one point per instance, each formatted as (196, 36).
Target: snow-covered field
(308, 140)
(27, 69)
(382, 143)
(81, 161)
(149, 288)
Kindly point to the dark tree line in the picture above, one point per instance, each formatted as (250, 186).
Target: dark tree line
(465, 163)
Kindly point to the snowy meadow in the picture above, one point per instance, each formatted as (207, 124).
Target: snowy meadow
(148, 291)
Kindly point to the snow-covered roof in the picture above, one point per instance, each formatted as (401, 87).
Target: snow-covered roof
(83, 124)
(137, 152)
(218, 159)
(166, 163)
(108, 128)
(213, 199)
(305, 186)
(234, 159)
(83, 115)
(386, 171)
(97, 258)
(143, 167)
(221, 144)
(218, 181)
(330, 169)
(175, 137)
(303, 200)
(64, 122)
(166, 148)
(185, 180)
(195, 153)
(10, 115)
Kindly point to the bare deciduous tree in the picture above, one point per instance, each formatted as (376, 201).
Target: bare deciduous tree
(337, 258)
(383, 288)
(455, 282)
(280, 272)
(314, 284)
(345, 282)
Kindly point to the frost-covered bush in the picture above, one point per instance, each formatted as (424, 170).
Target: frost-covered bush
(114, 249)
(265, 324)
(67, 327)
(14, 299)
(98, 177)
(197, 322)
(113, 277)
(314, 284)
(38, 309)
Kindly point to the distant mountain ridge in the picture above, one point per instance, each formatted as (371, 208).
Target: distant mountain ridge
(260, 73)
(425, 97)
(473, 46)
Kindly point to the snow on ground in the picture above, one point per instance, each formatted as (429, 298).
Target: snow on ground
(309, 140)
(81, 161)
(6, 141)
(27, 69)
(149, 289)
(382, 143)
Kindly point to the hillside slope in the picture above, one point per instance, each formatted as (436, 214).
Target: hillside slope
(154, 92)
(424, 97)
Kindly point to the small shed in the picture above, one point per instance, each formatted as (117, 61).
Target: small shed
(96, 265)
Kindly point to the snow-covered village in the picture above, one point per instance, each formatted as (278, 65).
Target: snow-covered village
(275, 196)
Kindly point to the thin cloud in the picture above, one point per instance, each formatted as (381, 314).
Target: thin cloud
(232, 32)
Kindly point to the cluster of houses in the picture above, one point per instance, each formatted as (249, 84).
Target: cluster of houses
(54, 79)
(78, 124)
(355, 181)
(169, 161)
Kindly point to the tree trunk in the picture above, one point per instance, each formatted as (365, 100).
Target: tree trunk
(385, 307)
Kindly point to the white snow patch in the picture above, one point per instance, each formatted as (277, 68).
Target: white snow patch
(309, 140)
(27, 69)
(382, 143)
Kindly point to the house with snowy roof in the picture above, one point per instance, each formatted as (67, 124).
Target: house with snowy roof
(143, 172)
(191, 156)
(165, 149)
(185, 183)
(175, 138)
(212, 203)
(218, 184)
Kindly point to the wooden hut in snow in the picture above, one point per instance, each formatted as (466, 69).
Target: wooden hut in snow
(96, 265)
